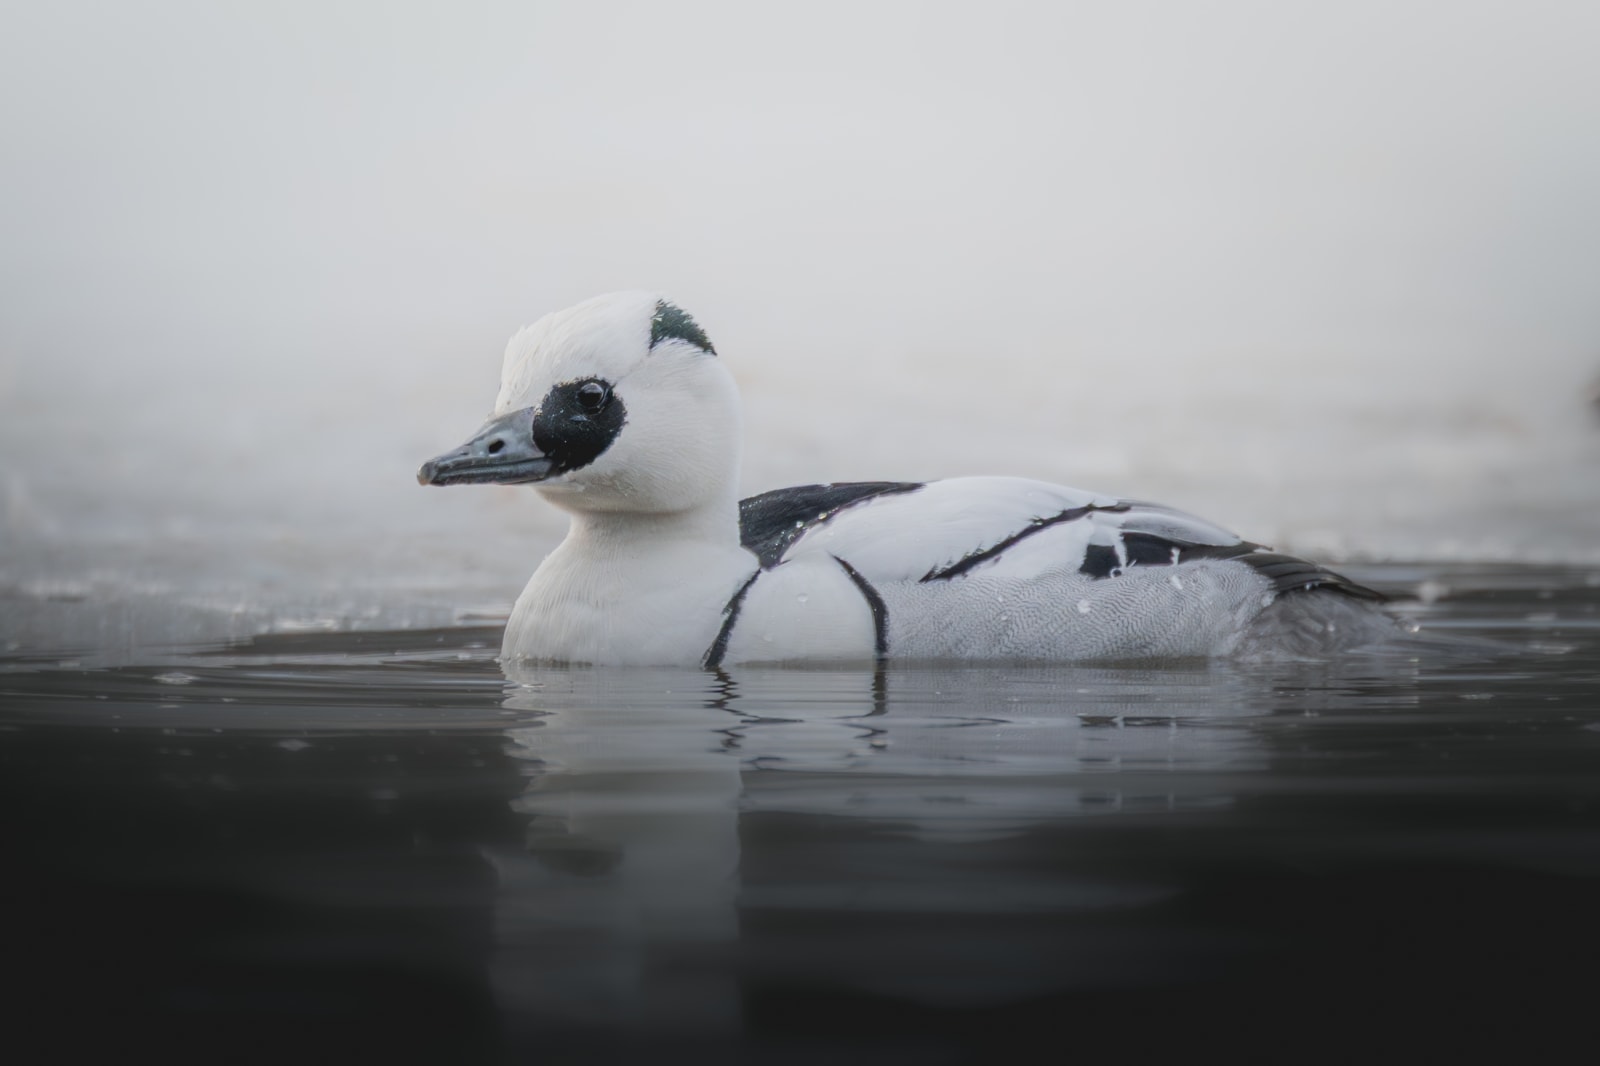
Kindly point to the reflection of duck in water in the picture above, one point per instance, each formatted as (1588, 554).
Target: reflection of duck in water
(675, 818)
(620, 754)
(620, 412)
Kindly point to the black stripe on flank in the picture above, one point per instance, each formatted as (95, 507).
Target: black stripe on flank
(730, 615)
(880, 613)
(962, 565)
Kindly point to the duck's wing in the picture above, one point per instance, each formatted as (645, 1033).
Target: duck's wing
(1151, 534)
(1007, 528)
(771, 522)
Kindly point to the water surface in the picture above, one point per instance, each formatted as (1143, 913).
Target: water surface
(347, 846)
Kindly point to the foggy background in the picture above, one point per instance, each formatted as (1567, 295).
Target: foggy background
(1324, 273)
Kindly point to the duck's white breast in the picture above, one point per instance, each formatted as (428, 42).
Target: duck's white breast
(656, 607)
(808, 609)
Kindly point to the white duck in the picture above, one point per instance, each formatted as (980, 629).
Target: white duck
(620, 412)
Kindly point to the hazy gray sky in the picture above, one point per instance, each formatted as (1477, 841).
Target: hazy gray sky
(1141, 175)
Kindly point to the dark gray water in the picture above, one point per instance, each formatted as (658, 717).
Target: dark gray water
(375, 847)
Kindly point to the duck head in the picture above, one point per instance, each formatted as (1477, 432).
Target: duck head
(618, 404)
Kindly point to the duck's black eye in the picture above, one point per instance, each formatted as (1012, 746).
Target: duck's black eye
(592, 396)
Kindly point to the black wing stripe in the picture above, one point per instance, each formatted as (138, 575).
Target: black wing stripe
(1286, 573)
(967, 562)
(771, 522)
(730, 615)
(880, 613)
(1148, 549)
(1289, 574)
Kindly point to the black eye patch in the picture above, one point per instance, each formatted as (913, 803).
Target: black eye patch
(576, 422)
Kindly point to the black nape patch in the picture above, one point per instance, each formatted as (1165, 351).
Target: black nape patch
(673, 322)
(772, 521)
(576, 421)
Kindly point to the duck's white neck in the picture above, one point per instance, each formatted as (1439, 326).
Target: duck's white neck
(639, 535)
(632, 587)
